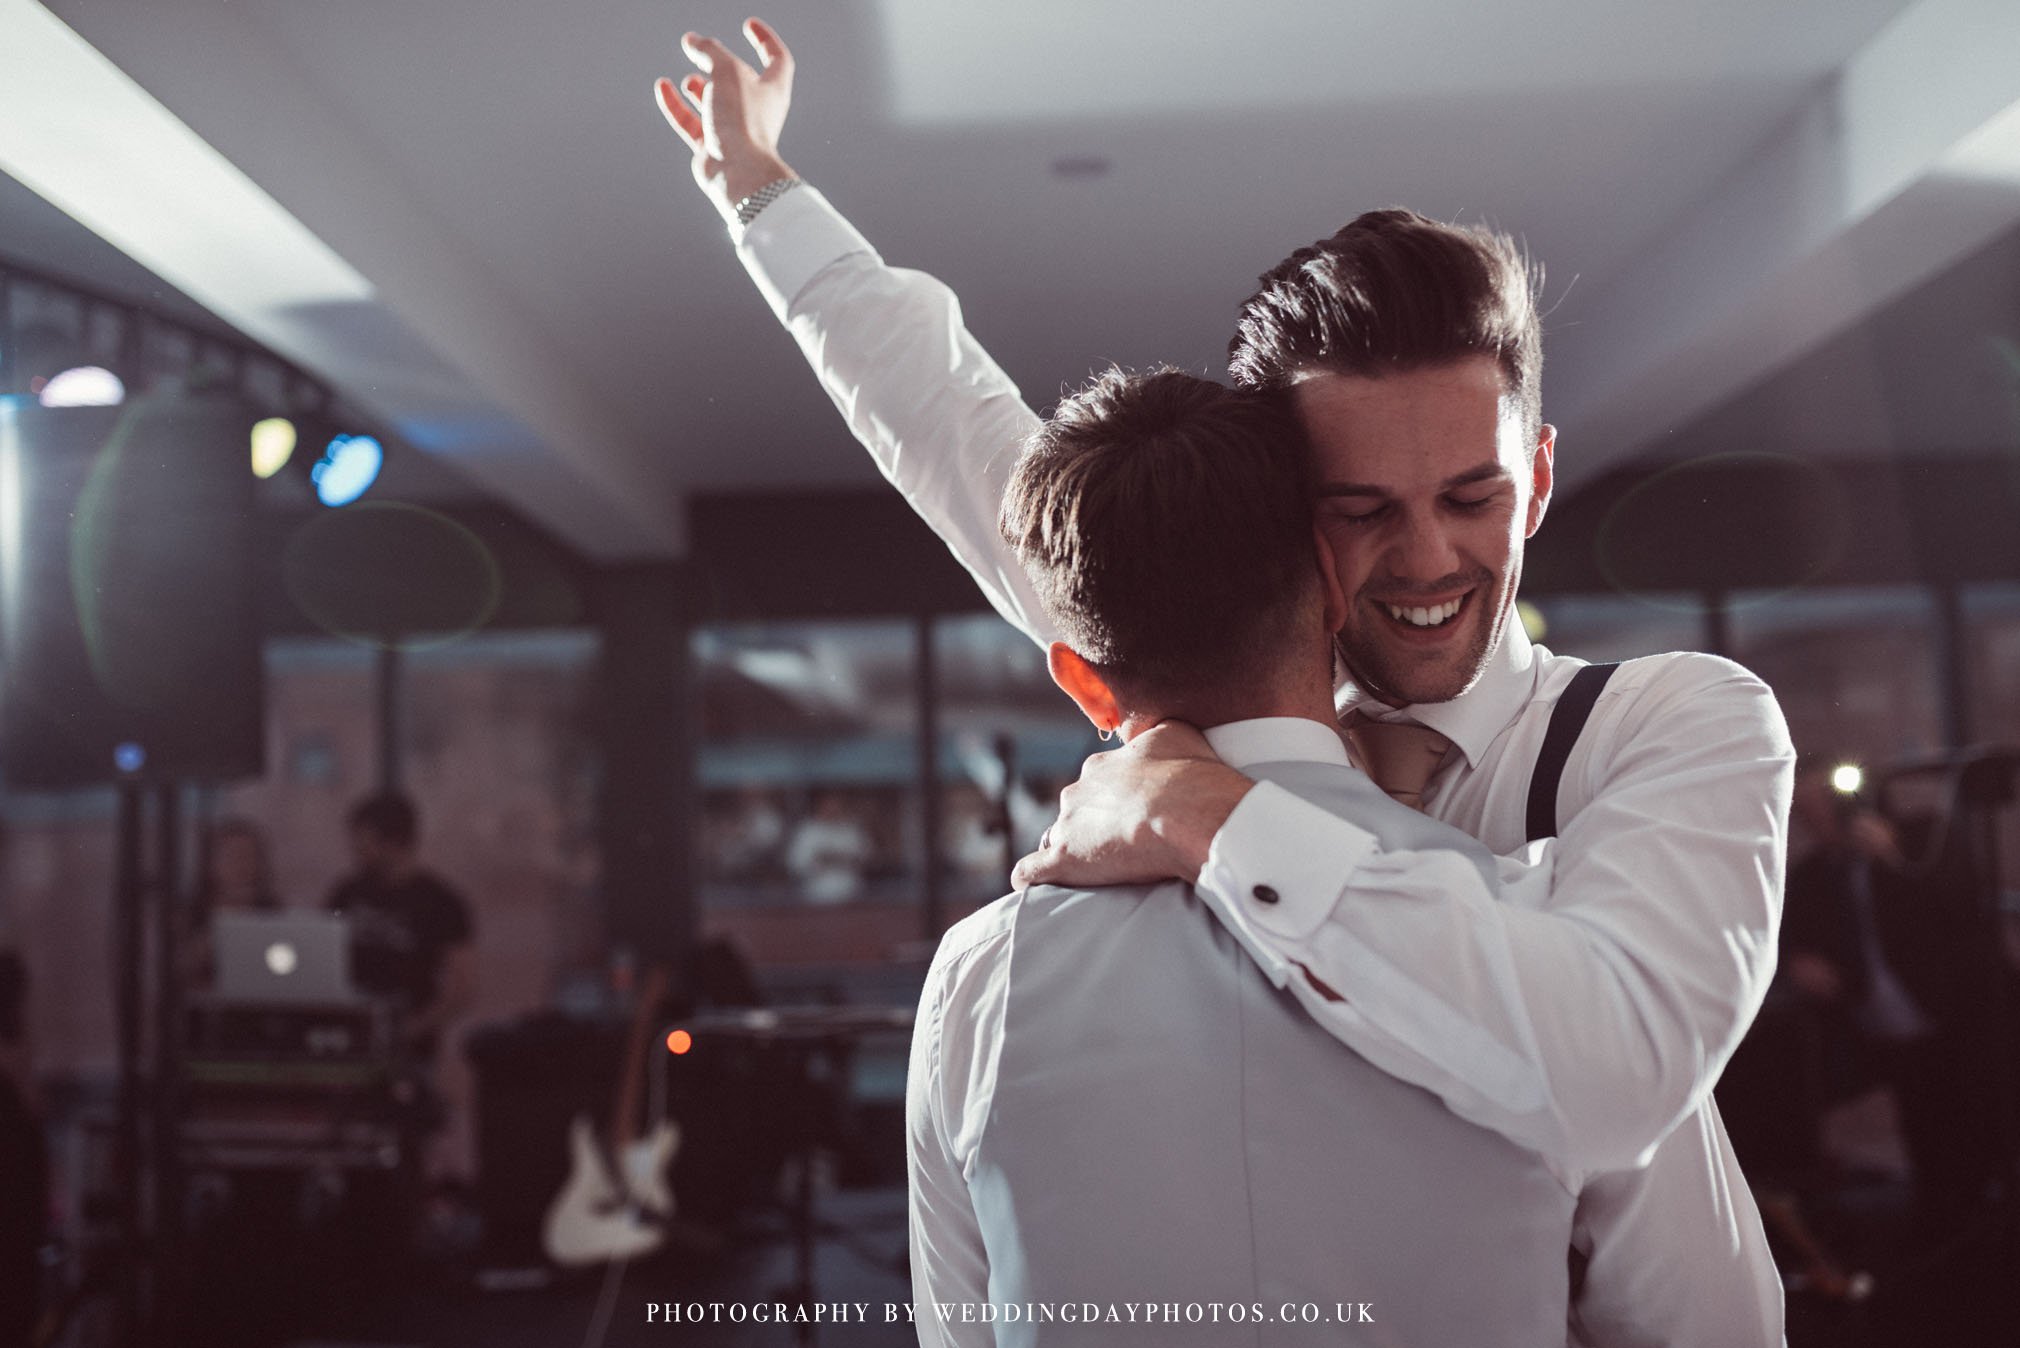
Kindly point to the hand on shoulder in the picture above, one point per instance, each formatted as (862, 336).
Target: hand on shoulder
(1141, 813)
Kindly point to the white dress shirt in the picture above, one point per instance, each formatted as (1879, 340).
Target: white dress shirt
(1584, 1008)
(1109, 1105)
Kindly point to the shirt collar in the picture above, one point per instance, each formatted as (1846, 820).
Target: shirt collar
(1477, 716)
(1276, 739)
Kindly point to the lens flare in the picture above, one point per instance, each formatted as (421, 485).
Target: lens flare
(84, 386)
(273, 444)
(347, 469)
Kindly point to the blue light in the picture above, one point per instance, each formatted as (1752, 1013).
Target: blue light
(129, 757)
(347, 469)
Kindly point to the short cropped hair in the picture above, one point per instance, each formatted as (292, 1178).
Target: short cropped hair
(388, 816)
(1393, 292)
(1166, 522)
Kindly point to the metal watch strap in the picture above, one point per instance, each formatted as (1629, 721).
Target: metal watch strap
(747, 209)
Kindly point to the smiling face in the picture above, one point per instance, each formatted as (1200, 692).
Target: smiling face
(1428, 489)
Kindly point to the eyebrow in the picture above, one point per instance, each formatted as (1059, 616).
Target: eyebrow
(1481, 473)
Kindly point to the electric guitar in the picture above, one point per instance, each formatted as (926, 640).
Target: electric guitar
(617, 1202)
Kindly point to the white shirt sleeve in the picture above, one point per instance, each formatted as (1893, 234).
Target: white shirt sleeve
(1582, 1008)
(941, 419)
(950, 1265)
(1675, 1254)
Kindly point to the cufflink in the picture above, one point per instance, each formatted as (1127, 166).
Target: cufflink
(1264, 894)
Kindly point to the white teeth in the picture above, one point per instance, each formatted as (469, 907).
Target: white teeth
(1425, 617)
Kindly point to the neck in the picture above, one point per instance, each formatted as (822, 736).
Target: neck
(1307, 700)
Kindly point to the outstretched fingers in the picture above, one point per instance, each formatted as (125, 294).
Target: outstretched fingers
(773, 54)
(684, 119)
(709, 55)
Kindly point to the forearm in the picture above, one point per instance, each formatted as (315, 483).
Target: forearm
(942, 421)
(1565, 1038)
(1581, 1005)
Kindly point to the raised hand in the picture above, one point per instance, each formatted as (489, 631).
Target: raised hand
(1145, 812)
(730, 115)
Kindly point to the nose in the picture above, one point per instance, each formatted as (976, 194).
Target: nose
(1423, 550)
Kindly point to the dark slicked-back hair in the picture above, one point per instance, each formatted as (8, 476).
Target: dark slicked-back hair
(1166, 522)
(1390, 293)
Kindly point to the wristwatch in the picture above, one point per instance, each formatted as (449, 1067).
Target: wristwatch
(747, 209)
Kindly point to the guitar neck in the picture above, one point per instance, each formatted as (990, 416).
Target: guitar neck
(624, 1117)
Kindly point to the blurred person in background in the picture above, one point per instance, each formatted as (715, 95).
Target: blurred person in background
(829, 851)
(234, 874)
(749, 837)
(1875, 935)
(411, 931)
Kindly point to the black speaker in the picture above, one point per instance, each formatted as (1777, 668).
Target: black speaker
(128, 629)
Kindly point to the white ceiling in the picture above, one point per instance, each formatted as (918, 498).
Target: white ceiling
(1715, 187)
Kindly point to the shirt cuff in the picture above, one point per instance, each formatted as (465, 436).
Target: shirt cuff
(1277, 868)
(792, 241)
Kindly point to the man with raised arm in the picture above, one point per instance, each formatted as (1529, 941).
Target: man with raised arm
(1586, 1018)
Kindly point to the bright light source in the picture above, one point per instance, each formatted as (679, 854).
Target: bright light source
(281, 959)
(347, 469)
(84, 386)
(680, 1041)
(1847, 778)
(273, 444)
(129, 757)
(82, 134)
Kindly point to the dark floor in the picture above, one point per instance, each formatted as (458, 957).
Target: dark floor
(859, 1261)
(1959, 1293)
(1957, 1290)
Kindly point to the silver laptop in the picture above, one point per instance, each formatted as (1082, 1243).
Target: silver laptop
(282, 957)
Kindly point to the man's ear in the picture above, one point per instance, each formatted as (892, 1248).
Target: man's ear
(1080, 682)
(1541, 470)
(1329, 582)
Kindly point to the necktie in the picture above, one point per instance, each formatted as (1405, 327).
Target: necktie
(1399, 755)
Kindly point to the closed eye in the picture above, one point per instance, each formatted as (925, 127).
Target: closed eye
(1357, 516)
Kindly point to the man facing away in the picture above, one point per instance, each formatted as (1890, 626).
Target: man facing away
(1586, 1017)
(1109, 1105)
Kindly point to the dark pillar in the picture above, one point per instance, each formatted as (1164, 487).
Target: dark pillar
(1953, 663)
(647, 724)
(1717, 623)
(169, 927)
(129, 1157)
(386, 674)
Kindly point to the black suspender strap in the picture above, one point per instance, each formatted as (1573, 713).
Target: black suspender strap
(1567, 721)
